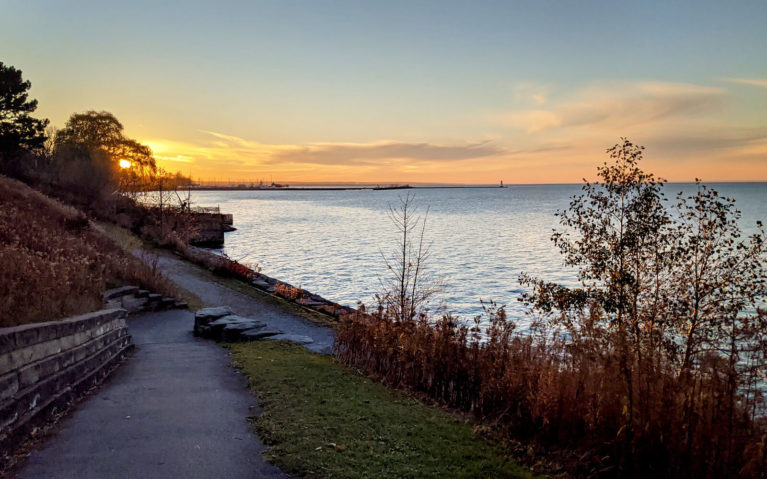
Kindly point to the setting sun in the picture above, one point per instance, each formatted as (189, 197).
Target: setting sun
(124, 164)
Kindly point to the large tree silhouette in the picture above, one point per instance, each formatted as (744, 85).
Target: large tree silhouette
(20, 134)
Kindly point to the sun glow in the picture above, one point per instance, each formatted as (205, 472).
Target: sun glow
(124, 164)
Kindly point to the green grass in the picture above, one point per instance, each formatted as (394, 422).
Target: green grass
(321, 419)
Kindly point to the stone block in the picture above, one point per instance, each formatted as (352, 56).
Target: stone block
(260, 333)
(231, 333)
(167, 302)
(9, 385)
(233, 322)
(211, 314)
(44, 362)
(119, 292)
(207, 315)
(134, 303)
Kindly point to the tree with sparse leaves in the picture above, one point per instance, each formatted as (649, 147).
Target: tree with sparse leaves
(667, 289)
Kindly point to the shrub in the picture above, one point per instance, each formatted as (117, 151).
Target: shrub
(653, 366)
(290, 292)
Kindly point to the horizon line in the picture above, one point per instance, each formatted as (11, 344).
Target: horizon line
(427, 184)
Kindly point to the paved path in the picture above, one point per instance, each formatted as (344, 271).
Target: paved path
(176, 409)
(270, 310)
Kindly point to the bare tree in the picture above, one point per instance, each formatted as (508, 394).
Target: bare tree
(410, 286)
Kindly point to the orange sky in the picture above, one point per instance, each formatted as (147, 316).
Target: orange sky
(689, 130)
(406, 92)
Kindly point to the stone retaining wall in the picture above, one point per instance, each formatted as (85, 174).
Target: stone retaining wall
(211, 228)
(45, 365)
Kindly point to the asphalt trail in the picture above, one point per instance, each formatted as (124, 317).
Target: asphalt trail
(176, 408)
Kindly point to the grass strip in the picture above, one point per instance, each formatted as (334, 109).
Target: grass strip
(321, 420)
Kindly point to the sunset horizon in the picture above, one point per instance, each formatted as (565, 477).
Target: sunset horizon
(383, 239)
(409, 93)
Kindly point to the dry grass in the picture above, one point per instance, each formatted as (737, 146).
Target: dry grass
(565, 395)
(54, 264)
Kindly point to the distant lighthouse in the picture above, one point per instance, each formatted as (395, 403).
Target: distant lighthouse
(501, 186)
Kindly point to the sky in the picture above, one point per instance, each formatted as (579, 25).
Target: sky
(408, 91)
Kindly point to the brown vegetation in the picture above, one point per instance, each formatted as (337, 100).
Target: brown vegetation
(54, 263)
(290, 292)
(653, 366)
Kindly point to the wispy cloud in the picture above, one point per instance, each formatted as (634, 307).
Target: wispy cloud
(622, 105)
(533, 121)
(758, 82)
(534, 93)
(348, 153)
(222, 154)
(687, 129)
(361, 153)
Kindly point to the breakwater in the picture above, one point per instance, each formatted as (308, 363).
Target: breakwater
(211, 228)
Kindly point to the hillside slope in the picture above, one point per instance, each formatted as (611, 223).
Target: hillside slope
(53, 264)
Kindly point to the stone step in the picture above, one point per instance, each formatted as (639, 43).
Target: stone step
(134, 304)
(118, 292)
(167, 302)
(256, 334)
(235, 325)
(114, 304)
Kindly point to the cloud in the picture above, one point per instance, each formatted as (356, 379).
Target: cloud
(175, 158)
(534, 121)
(219, 153)
(531, 93)
(366, 153)
(706, 141)
(354, 153)
(758, 82)
(620, 105)
(687, 128)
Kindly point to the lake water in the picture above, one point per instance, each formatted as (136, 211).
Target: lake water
(331, 242)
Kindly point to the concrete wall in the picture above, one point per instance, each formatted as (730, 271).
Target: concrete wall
(45, 365)
(211, 228)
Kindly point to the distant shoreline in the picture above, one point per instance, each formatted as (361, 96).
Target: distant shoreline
(339, 188)
(352, 187)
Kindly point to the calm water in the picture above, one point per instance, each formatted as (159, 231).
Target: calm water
(330, 242)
